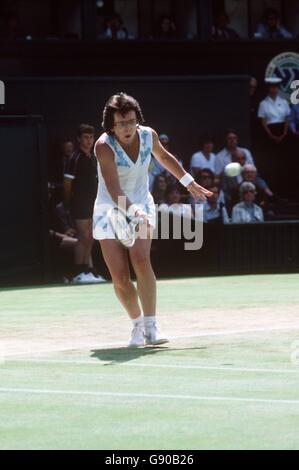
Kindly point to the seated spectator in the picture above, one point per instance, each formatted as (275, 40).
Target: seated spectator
(205, 158)
(270, 26)
(166, 28)
(114, 28)
(159, 189)
(230, 184)
(246, 211)
(250, 175)
(174, 203)
(227, 154)
(221, 30)
(205, 178)
(294, 120)
(61, 245)
(64, 219)
(214, 210)
(155, 167)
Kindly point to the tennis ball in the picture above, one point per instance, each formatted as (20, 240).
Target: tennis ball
(233, 169)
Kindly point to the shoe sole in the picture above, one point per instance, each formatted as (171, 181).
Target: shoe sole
(156, 343)
(135, 346)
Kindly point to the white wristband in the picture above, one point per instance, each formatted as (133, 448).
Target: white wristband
(186, 180)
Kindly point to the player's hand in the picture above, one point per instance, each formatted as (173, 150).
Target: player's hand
(198, 192)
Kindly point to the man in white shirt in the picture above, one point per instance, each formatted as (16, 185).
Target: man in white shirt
(226, 155)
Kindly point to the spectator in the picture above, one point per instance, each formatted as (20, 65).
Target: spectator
(246, 211)
(68, 149)
(207, 177)
(227, 154)
(159, 189)
(65, 222)
(205, 158)
(166, 28)
(174, 203)
(250, 175)
(221, 30)
(270, 27)
(214, 210)
(114, 28)
(61, 245)
(80, 189)
(156, 168)
(230, 185)
(274, 113)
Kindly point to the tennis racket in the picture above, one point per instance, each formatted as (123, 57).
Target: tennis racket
(123, 226)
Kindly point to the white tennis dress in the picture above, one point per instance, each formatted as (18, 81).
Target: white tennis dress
(134, 182)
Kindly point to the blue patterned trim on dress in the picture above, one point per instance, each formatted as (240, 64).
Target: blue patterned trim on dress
(120, 156)
(146, 151)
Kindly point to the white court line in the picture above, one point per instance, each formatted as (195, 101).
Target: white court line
(157, 366)
(172, 338)
(146, 395)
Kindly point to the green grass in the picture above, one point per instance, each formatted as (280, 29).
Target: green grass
(241, 390)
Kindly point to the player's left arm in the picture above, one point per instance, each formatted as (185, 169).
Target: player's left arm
(173, 166)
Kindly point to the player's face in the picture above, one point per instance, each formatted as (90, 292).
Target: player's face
(125, 127)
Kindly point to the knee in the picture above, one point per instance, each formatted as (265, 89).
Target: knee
(121, 280)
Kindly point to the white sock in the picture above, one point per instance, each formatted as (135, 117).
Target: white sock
(149, 321)
(138, 321)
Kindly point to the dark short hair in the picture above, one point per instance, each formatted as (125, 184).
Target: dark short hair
(231, 131)
(120, 103)
(85, 129)
(206, 139)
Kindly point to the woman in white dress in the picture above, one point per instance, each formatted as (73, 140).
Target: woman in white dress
(124, 154)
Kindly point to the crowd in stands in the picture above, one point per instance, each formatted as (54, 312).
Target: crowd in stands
(113, 27)
(253, 196)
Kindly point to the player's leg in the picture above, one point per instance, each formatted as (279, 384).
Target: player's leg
(116, 259)
(146, 279)
(146, 286)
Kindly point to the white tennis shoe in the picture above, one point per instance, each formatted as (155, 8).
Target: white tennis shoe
(137, 337)
(87, 278)
(154, 337)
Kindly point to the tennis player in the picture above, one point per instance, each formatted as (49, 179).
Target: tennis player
(124, 154)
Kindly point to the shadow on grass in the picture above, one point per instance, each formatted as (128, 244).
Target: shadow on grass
(120, 355)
